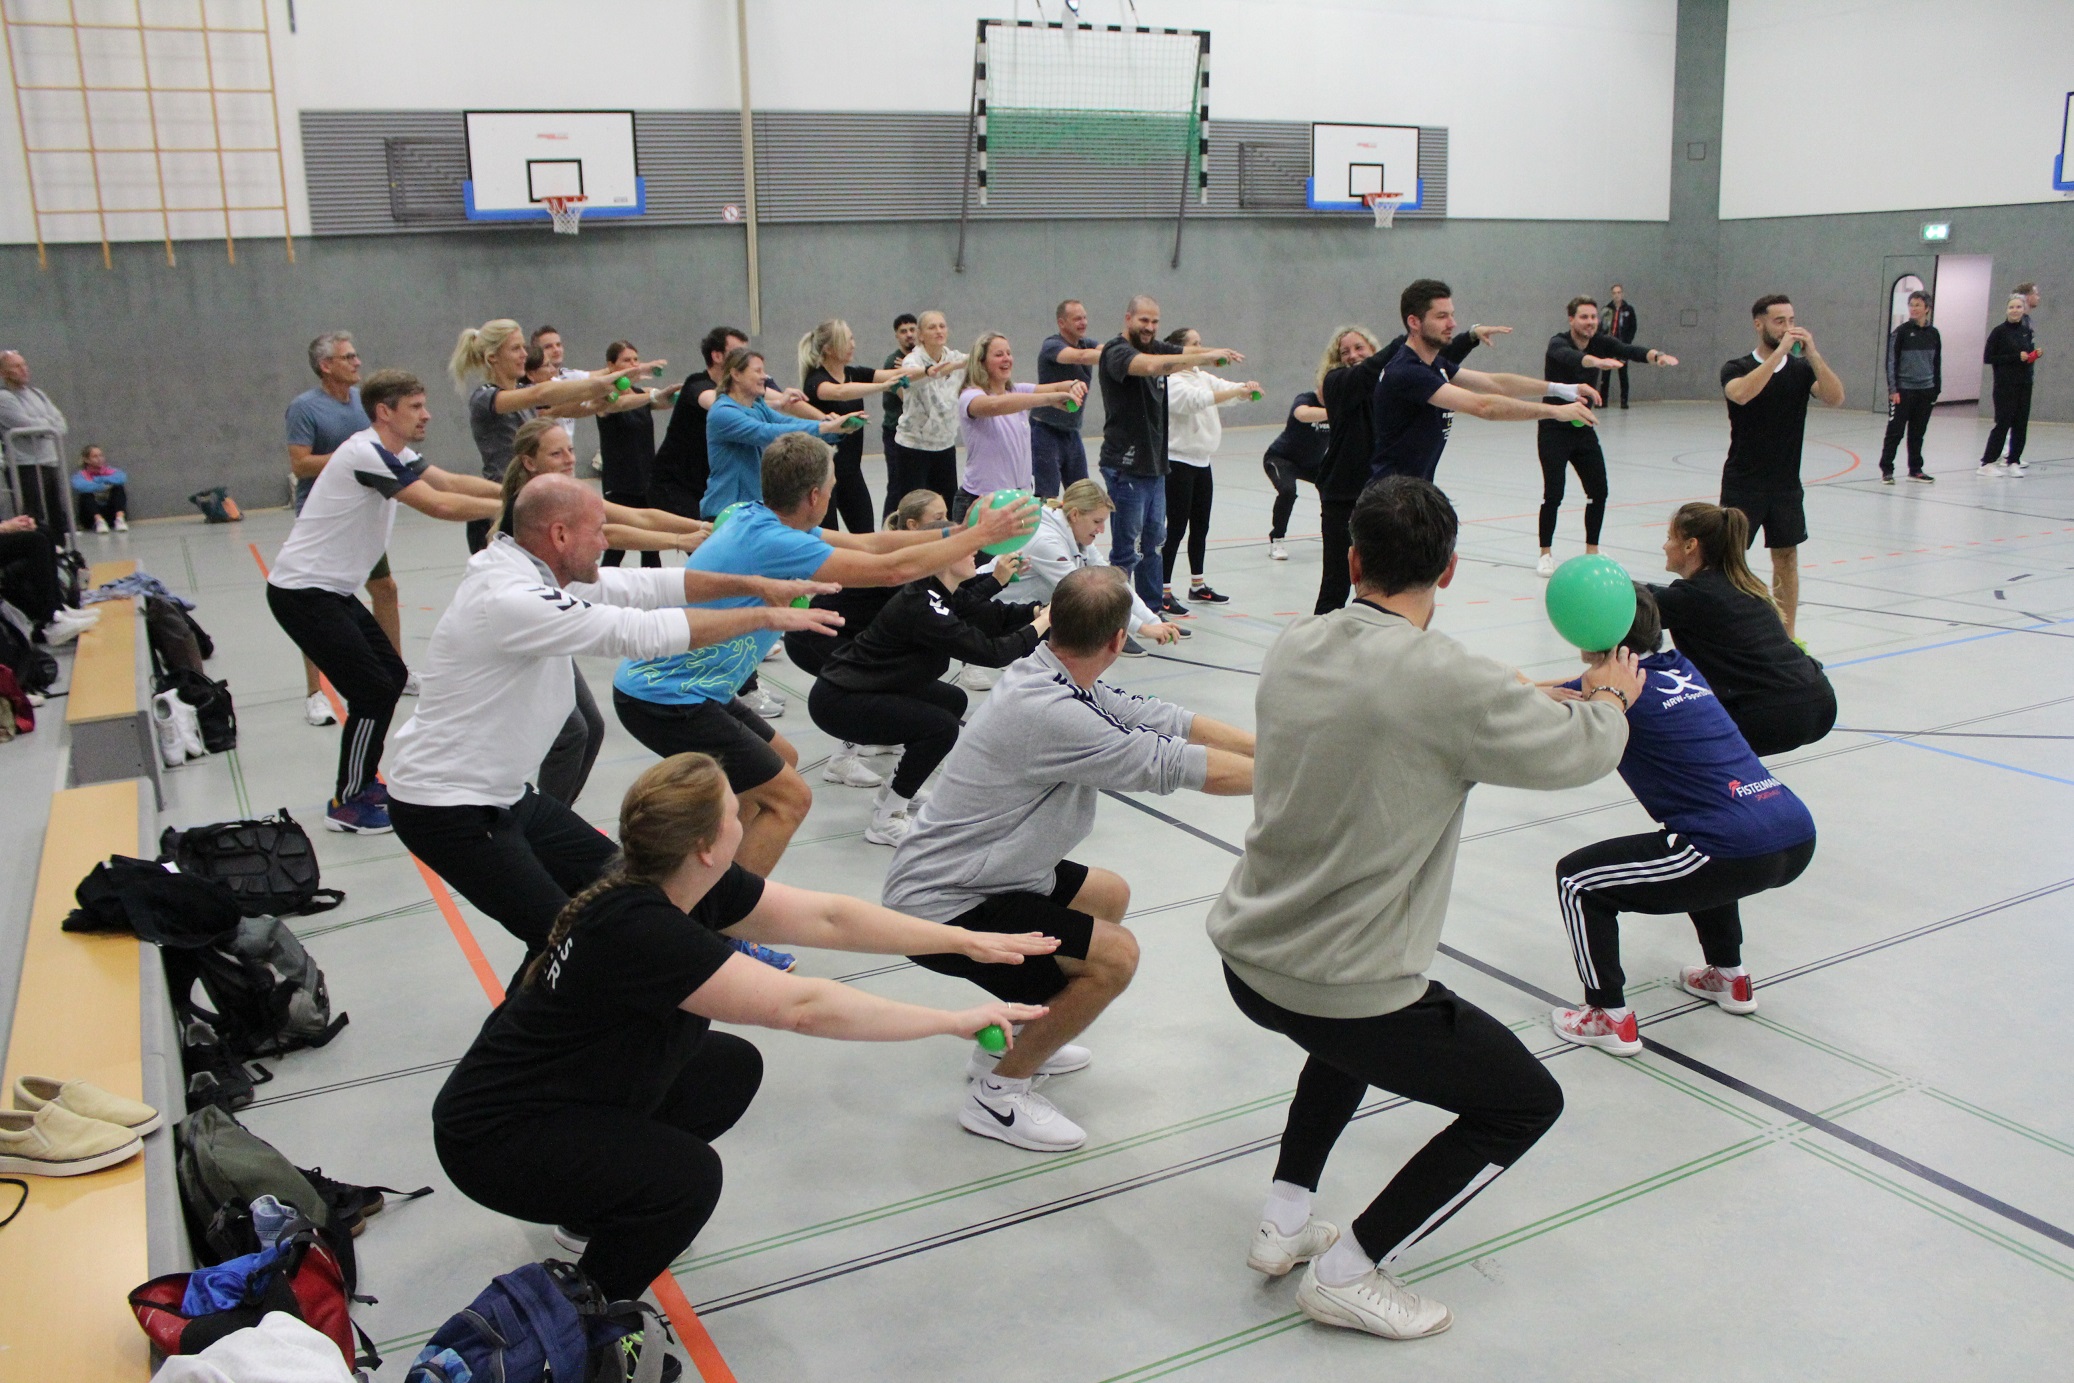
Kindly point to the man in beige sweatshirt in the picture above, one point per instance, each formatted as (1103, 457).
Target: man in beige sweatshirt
(1371, 730)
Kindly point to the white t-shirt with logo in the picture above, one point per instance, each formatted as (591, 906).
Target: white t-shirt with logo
(343, 528)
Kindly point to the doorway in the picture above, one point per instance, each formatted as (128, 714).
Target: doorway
(1965, 291)
(1900, 275)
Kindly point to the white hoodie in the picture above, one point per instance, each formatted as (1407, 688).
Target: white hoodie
(1195, 429)
(1051, 554)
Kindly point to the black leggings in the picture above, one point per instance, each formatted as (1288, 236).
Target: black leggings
(1283, 475)
(641, 1185)
(1334, 583)
(2012, 421)
(921, 470)
(1775, 728)
(339, 635)
(1442, 1051)
(29, 573)
(105, 504)
(851, 501)
(1660, 872)
(567, 766)
(1558, 454)
(924, 719)
(1189, 490)
(650, 557)
(517, 864)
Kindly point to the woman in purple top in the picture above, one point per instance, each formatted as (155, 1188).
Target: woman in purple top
(993, 411)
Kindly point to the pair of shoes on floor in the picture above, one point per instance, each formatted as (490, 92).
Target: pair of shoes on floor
(178, 729)
(1592, 1026)
(776, 960)
(1275, 551)
(1202, 594)
(316, 710)
(766, 704)
(847, 767)
(62, 1128)
(1375, 1302)
(67, 624)
(1011, 1110)
(2009, 468)
(365, 813)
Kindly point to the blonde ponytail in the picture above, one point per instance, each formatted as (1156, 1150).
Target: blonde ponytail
(472, 352)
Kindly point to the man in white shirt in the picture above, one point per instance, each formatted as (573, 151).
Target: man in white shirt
(341, 533)
(497, 688)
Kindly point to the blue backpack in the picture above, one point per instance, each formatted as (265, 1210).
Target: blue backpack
(545, 1321)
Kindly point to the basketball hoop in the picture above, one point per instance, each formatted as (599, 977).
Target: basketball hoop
(567, 213)
(1384, 205)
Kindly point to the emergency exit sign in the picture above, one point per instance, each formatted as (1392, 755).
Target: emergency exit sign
(1936, 231)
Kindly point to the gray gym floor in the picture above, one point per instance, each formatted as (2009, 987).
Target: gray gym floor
(1873, 1176)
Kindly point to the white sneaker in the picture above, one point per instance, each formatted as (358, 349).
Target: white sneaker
(410, 685)
(122, 524)
(1275, 1253)
(972, 677)
(1276, 552)
(890, 822)
(2016, 469)
(165, 724)
(67, 625)
(1991, 468)
(100, 524)
(317, 710)
(1377, 1303)
(850, 771)
(764, 703)
(1014, 1113)
(1070, 1057)
(1546, 566)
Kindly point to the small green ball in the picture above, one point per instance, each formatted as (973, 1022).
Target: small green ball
(992, 1039)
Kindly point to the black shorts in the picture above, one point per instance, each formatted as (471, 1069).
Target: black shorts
(728, 730)
(1038, 978)
(1777, 513)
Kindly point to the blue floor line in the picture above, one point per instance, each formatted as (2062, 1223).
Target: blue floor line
(1948, 643)
(1975, 759)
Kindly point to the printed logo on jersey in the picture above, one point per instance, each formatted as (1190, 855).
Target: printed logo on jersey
(937, 606)
(1759, 790)
(1680, 688)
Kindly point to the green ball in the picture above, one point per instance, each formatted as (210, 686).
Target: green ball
(1002, 499)
(992, 1039)
(1072, 405)
(800, 602)
(724, 515)
(853, 422)
(1591, 602)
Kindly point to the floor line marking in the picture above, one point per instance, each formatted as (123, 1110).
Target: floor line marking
(1974, 759)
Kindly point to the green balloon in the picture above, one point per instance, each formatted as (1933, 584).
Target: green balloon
(1002, 499)
(1591, 602)
(992, 1038)
(724, 515)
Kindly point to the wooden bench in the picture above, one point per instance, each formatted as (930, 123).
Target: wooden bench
(108, 709)
(90, 1007)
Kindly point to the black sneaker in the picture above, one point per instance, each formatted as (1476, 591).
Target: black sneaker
(1183, 631)
(1922, 477)
(1207, 596)
(1886, 477)
(1170, 606)
(1132, 648)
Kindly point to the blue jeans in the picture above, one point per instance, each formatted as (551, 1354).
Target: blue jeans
(1058, 459)
(1138, 530)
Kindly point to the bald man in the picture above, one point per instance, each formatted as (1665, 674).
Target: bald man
(498, 686)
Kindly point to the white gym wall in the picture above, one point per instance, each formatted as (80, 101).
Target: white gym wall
(1835, 106)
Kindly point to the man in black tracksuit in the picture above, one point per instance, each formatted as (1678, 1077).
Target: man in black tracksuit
(1577, 355)
(2012, 351)
(1915, 377)
(1617, 321)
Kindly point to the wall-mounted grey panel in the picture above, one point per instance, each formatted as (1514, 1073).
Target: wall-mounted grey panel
(376, 172)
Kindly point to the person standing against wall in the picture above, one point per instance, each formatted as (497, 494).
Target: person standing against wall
(1915, 377)
(548, 341)
(2013, 352)
(1070, 354)
(1621, 324)
(23, 406)
(906, 332)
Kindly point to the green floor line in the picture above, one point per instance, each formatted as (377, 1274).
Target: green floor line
(1819, 1045)
(695, 1262)
(194, 583)
(1707, 1097)
(237, 778)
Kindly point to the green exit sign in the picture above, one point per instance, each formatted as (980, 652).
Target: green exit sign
(1937, 231)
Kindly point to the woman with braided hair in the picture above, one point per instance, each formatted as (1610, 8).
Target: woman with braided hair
(592, 1095)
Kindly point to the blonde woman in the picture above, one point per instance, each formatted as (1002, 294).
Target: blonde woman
(1069, 537)
(1194, 433)
(994, 416)
(834, 385)
(740, 423)
(928, 429)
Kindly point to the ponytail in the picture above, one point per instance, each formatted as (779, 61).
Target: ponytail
(472, 352)
(816, 344)
(1723, 535)
(909, 511)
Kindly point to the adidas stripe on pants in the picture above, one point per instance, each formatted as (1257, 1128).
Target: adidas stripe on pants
(339, 635)
(1660, 872)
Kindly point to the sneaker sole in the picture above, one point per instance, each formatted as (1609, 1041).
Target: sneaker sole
(37, 1167)
(843, 781)
(1727, 1005)
(357, 830)
(987, 1128)
(1324, 1312)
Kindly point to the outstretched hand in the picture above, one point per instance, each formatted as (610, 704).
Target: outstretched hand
(1003, 948)
(1575, 412)
(969, 1022)
(806, 619)
(776, 592)
(1485, 333)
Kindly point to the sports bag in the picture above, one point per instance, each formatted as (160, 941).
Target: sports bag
(173, 644)
(305, 1280)
(17, 713)
(212, 705)
(265, 996)
(216, 505)
(544, 1321)
(35, 668)
(267, 863)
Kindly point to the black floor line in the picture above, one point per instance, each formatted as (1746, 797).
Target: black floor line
(1214, 667)
(356, 1083)
(1934, 619)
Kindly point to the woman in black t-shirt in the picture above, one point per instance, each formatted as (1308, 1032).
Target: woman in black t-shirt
(626, 442)
(591, 1096)
(1297, 454)
(833, 385)
(1723, 619)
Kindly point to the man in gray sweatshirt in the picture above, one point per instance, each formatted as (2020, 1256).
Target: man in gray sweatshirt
(1018, 794)
(1372, 730)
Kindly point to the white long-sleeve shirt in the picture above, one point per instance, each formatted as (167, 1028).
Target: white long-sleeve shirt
(1052, 553)
(497, 678)
(929, 413)
(1195, 429)
(27, 407)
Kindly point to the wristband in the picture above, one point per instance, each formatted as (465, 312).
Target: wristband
(1566, 392)
(944, 532)
(1615, 690)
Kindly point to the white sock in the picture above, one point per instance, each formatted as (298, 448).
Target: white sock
(1346, 1261)
(1288, 1207)
(1616, 1014)
(1732, 971)
(1004, 1085)
(846, 750)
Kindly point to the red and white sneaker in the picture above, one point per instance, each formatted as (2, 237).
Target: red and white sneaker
(1732, 992)
(1593, 1027)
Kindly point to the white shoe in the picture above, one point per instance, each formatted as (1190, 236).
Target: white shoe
(122, 524)
(850, 771)
(1068, 1058)
(764, 703)
(1277, 553)
(1377, 1303)
(890, 822)
(317, 710)
(1275, 1253)
(2016, 469)
(100, 524)
(1992, 468)
(67, 625)
(972, 677)
(165, 724)
(1014, 1113)
(410, 685)
(1546, 566)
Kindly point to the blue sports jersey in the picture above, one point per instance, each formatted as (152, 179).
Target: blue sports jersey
(751, 543)
(1691, 769)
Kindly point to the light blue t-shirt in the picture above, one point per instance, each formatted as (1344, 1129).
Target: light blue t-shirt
(751, 543)
(320, 422)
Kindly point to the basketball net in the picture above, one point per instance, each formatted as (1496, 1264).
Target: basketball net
(1384, 205)
(567, 213)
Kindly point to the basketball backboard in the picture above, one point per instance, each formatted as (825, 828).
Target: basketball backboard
(2062, 171)
(517, 159)
(1350, 162)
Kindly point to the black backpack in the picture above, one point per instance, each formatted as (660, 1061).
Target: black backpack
(264, 995)
(268, 864)
(211, 701)
(33, 666)
(173, 644)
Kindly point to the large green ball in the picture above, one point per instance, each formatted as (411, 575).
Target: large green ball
(1591, 602)
(1002, 499)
